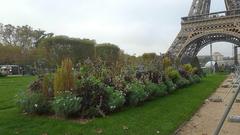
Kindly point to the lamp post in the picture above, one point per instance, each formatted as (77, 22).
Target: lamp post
(211, 55)
(236, 55)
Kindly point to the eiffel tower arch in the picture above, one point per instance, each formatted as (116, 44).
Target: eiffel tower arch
(201, 28)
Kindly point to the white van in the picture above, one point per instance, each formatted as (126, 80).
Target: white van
(4, 70)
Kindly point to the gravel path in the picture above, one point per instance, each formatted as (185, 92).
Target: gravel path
(205, 121)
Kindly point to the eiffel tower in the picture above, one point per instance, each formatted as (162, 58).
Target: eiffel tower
(201, 28)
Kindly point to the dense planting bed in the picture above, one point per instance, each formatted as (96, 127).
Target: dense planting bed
(162, 115)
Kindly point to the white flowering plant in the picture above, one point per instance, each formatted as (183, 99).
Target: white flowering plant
(66, 104)
(116, 99)
(136, 93)
(171, 87)
(33, 103)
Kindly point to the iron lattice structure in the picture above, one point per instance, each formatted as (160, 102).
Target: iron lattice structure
(201, 28)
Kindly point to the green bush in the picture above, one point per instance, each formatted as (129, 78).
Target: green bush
(33, 103)
(136, 93)
(155, 90)
(66, 105)
(170, 86)
(162, 90)
(116, 98)
(151, 89)
(182, 82)
(94, 97)
(191, 80)
(188, 68)
(196, 78)
(172, 73)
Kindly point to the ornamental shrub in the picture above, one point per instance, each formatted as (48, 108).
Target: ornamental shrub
(196, 78)
(188, 68)
(155, 90)
(195, 70)
(170, 86)
(136, 93)
(191, 80)
(162, 90)
(116, 99)
(182, 82)
(33, 103)
(66, 105)
(172, 73)
(183, 73)
(119, 83)
(151, 89)
(94, 97)
(166, 62)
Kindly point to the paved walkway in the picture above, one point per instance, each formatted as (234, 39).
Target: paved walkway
(205, 121)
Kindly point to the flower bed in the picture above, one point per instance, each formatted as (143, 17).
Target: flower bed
(96, 90)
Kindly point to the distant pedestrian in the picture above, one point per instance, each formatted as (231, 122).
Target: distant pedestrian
(216, 68)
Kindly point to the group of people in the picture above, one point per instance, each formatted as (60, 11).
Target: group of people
(222, 68)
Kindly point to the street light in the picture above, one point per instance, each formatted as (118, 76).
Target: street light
(211, 55)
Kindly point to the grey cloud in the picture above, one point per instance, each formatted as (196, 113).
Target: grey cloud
(137, 26)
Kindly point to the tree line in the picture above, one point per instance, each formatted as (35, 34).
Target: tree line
(24, 45)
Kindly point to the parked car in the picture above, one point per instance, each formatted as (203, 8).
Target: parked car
(10, 69)
(4, 71)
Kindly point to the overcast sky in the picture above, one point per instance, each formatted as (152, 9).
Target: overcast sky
(136, 26)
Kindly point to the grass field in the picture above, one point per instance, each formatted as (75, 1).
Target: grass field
(161, 116)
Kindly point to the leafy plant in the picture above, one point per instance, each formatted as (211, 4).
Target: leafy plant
(155, 90)
(172, 73)
(182, 82)
(66, 104)
(116, 99)
(162, 90)
(166, 62)
(119, 83)
(188, 68)
(195, 70)
(196, 78)
(191, 80)
(183, 73)
(33, 103)
(151, 89)
(136, 93)
(94, 97)
(170, 86)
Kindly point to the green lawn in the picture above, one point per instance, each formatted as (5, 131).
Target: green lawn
(163, 114)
